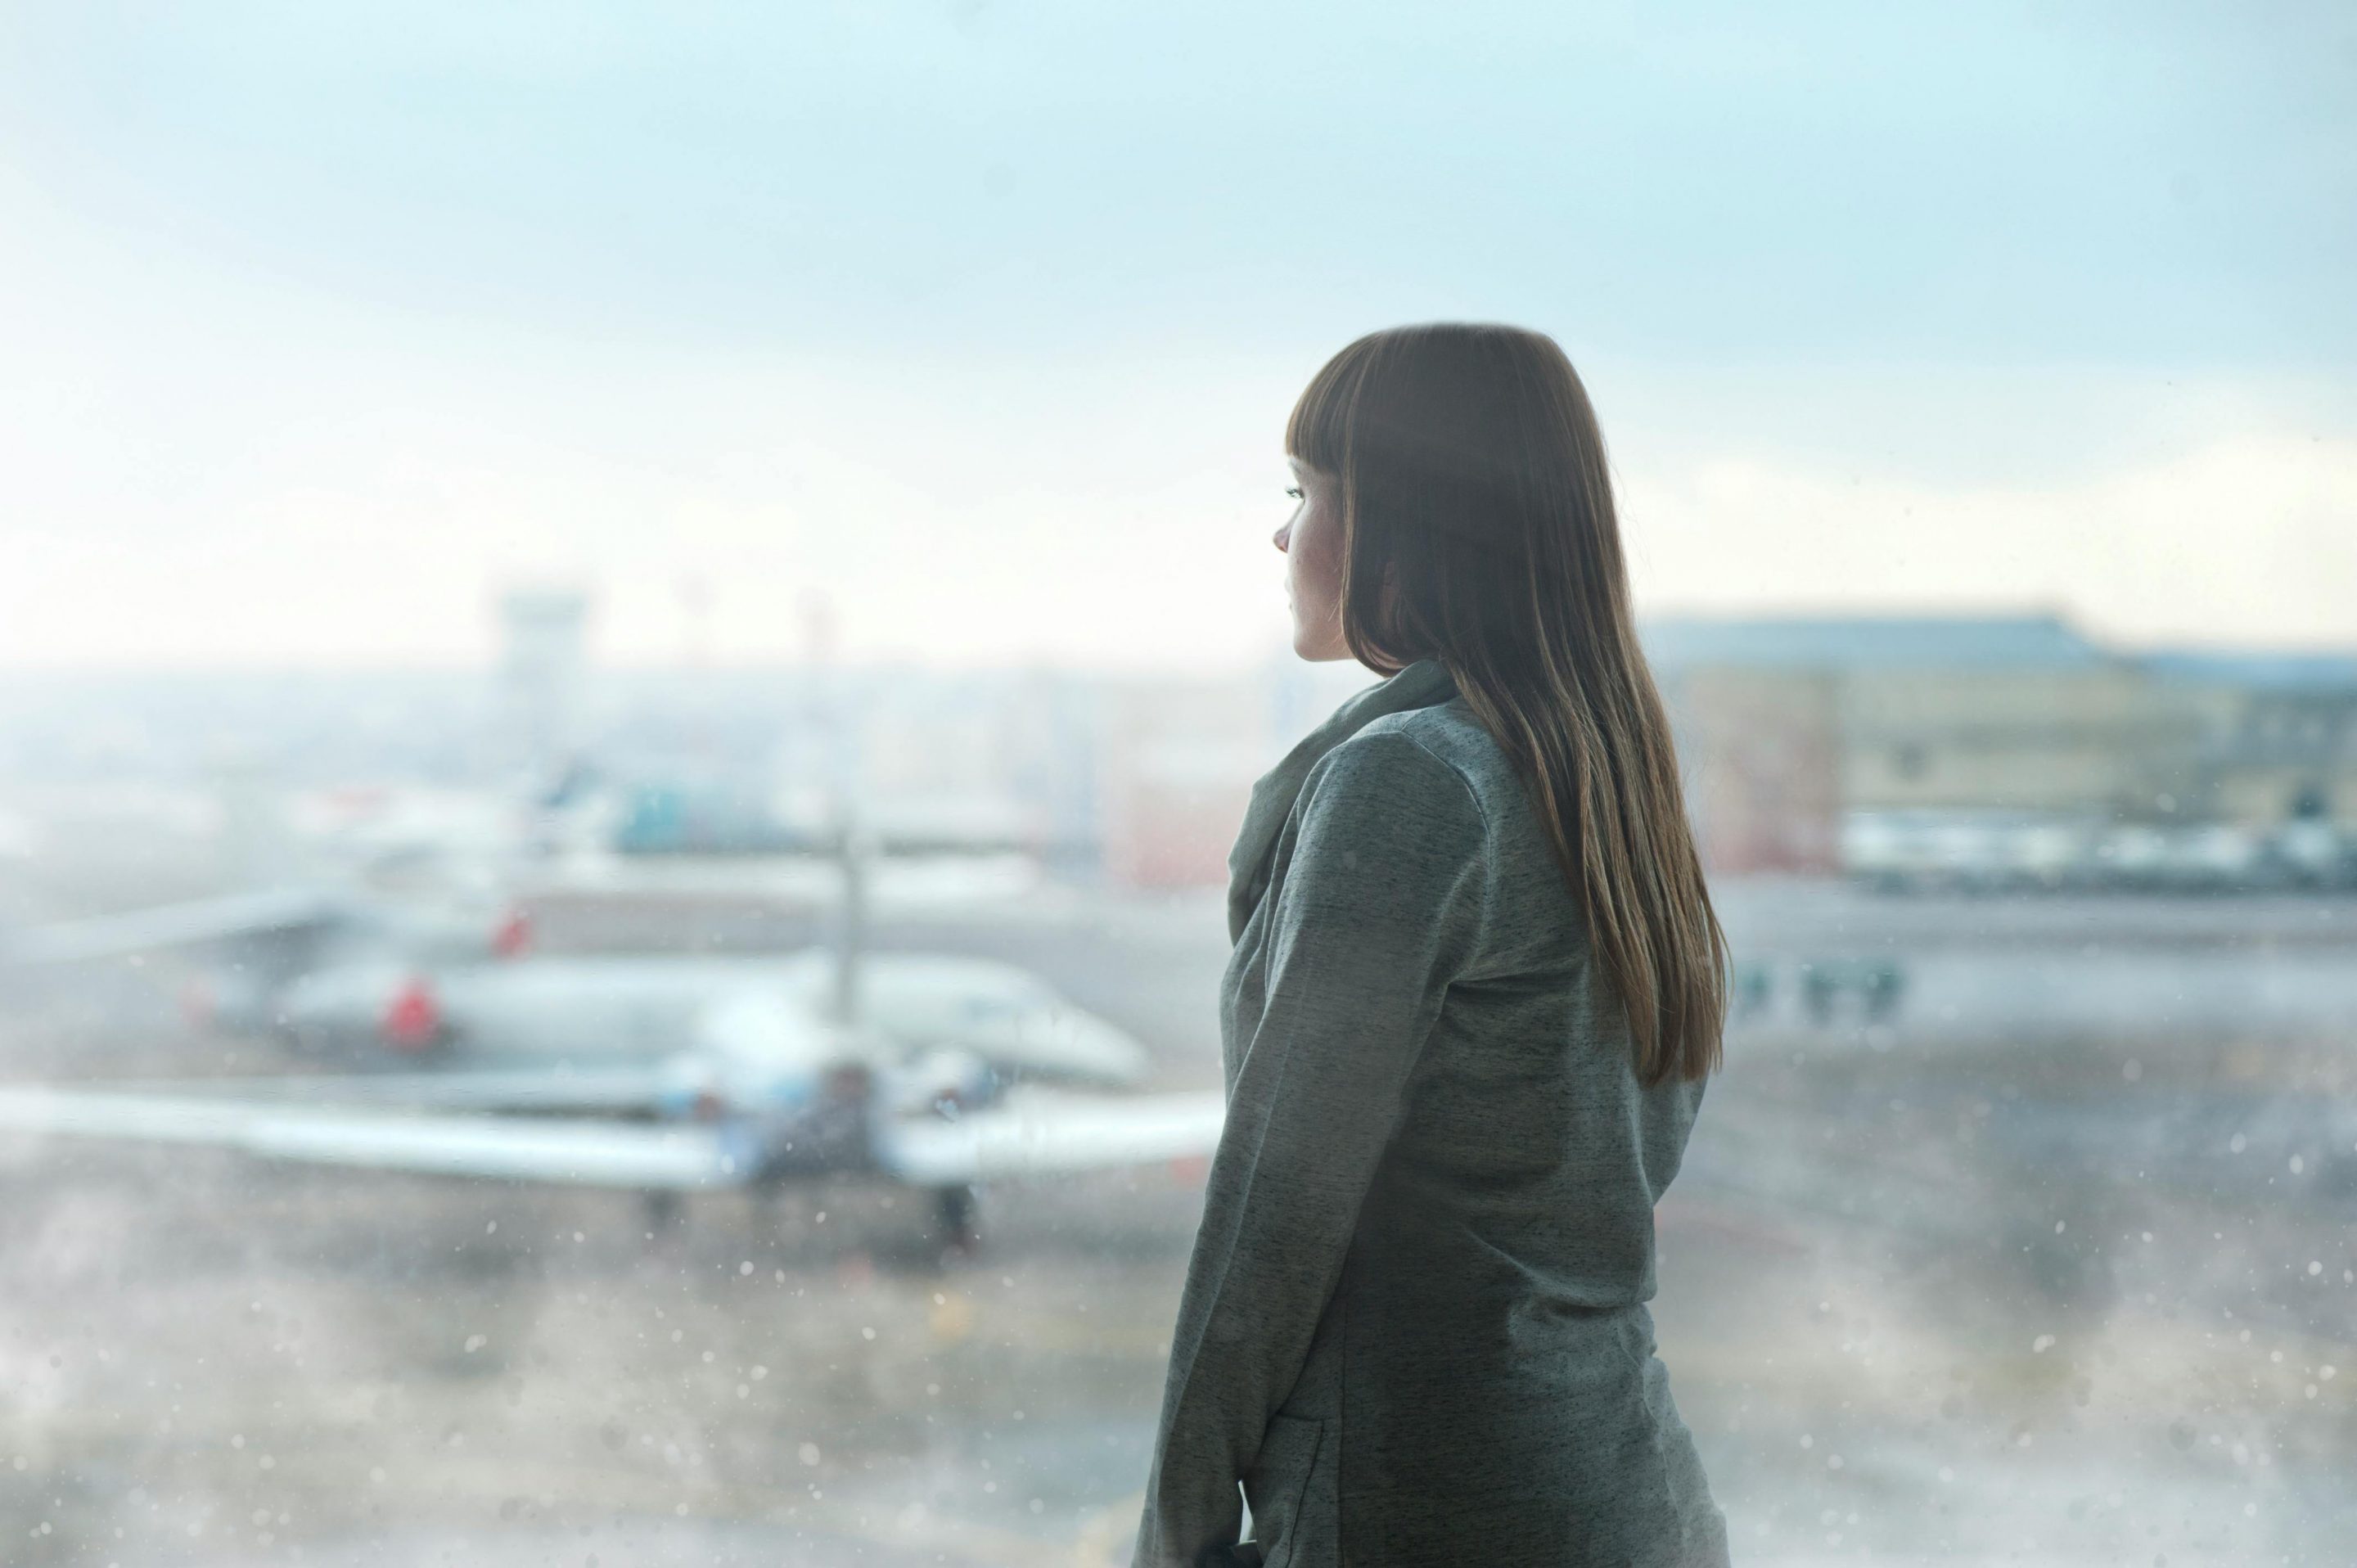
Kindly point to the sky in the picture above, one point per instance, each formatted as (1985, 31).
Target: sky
(980, 318)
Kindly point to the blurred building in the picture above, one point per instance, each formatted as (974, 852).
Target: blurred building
(1178, 758)
(2008, 750)
(1176, 761)
(2278, 734)
(2005, 714)
(1762, 749)
(1959, 750)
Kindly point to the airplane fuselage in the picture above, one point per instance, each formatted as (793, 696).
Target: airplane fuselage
(606, 1010)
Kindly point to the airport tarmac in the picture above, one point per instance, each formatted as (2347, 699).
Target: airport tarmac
(1990, 1295)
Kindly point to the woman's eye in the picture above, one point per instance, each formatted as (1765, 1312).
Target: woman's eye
(1293, 490)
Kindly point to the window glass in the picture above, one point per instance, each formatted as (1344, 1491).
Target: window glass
(627, 635)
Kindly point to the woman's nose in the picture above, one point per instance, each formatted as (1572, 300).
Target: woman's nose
(1277, 538)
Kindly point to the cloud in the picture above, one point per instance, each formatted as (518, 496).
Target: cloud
(2248, 537)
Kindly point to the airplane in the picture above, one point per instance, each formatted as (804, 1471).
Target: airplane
(449, 985)
(665, 1075)
(781, 1095)
(583, 1010)
(382, 985)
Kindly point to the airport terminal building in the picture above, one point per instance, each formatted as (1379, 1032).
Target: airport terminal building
(2010, 750)
(2000, 751)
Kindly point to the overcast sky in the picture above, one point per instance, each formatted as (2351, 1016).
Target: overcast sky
(983, 317)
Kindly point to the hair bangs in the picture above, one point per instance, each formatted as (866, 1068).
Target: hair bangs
(1319, 429)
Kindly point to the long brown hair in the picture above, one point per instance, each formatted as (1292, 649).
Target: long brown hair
(1479, 528)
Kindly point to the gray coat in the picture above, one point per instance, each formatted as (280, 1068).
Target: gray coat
(1413, 1323)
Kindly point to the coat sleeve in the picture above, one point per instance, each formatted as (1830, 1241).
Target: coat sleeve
(1379, 909)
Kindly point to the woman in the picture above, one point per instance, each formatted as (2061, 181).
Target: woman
(1476, 988)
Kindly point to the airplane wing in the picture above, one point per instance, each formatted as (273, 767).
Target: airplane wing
(1032, 1133)
(274, 912)
(581, 1153)
(1035, 1133)
(613, 1089)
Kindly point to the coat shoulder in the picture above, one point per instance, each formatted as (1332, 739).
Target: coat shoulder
(1450, 733)
(1388, 766)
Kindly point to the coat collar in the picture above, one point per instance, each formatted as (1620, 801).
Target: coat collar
(1421, 685)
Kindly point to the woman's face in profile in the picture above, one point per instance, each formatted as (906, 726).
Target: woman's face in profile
(1312, 542)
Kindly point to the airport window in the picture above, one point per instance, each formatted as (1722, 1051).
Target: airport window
(637, 646)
